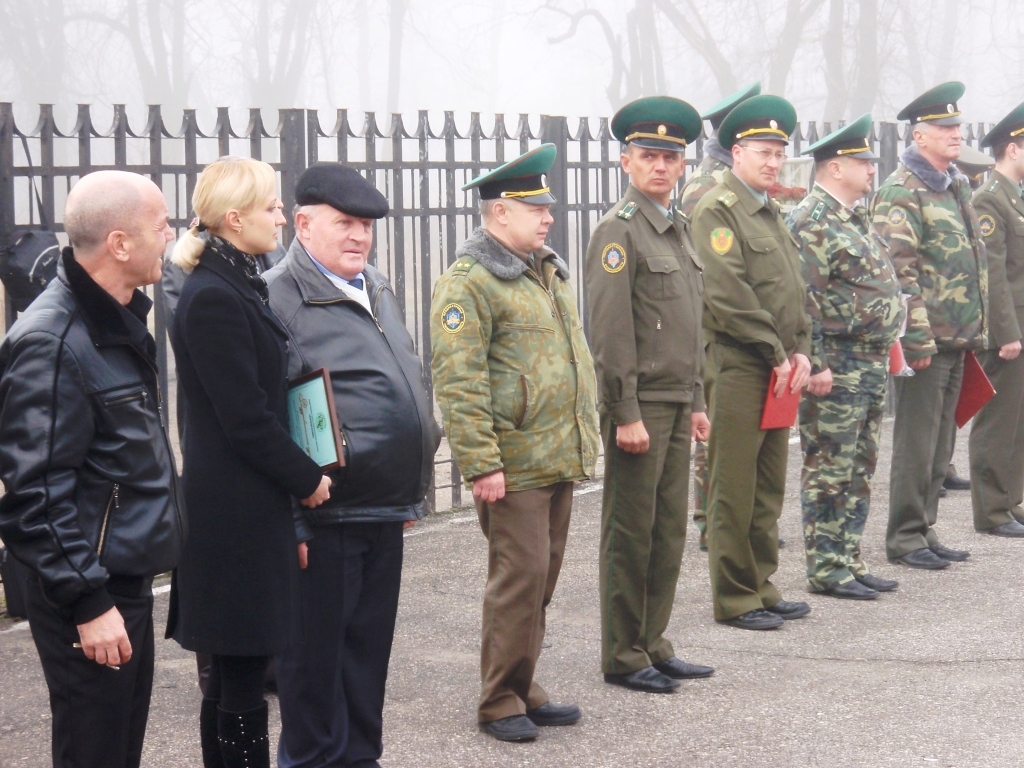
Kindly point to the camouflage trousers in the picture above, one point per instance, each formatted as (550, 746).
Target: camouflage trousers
(839, 437)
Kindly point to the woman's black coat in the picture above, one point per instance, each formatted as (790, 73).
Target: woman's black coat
(235, 583)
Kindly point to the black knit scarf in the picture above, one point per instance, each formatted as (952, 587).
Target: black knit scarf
(243, 262)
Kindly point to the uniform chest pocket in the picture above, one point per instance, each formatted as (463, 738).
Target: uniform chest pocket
(1018, 229)
(663, 277)
(766, 260)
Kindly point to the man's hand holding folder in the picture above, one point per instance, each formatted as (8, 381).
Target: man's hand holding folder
(788, 380)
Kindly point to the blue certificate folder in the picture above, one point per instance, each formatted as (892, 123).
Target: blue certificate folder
(313, 420)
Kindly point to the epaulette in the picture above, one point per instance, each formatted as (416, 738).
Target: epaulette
(728, 198)
(627, 211)
(818, 210)
(993, 184)
(463, 265)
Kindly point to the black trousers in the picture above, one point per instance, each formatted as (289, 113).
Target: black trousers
(331, 680)
(99, 713)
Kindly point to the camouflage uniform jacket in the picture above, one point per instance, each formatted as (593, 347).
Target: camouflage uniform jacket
(709, 174)
(644, 289)
(853, 294)
(928, 221)
(512, 371)
(1001, 217)
(754, 294)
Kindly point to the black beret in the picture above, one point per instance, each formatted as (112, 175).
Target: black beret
(342, 188)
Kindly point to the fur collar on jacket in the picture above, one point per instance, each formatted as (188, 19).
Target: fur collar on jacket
(717, 151)
(937, 180)
(499, 260)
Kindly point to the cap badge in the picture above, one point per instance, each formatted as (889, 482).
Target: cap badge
(951, 108)
(773, 125)
(662, 130)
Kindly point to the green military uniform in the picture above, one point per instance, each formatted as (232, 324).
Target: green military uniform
(853, 300)
(754, 315)
(515, 383)
(926, 217)
(643, 287)
(709, 174)
(997, 434)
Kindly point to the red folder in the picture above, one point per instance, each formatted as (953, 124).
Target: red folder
(975, 391)
(779, 412)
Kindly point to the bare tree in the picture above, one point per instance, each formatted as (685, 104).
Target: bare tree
(33, 41)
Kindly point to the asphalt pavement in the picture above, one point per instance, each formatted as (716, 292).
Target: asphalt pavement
(929, 675)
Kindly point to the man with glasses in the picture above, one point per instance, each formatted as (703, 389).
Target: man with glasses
(709, 174)
(924, 212)
(755, 318)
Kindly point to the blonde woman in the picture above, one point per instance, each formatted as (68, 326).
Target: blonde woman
(234, 586)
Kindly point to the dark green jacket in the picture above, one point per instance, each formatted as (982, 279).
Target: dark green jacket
(1001, 221)
(754, 293)
(643, 289)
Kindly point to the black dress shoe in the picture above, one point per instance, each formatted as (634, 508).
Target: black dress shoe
(956, 555)
(852, 590)
(789, 610)
(942, 493)
(648, 680)
(514, 728)
(878, 584)
(924, 559)
(956, 483)
(554, 714)
(678, 669)
(756, 619)
(1011, 530)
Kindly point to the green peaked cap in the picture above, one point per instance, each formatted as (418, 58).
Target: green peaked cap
(657, 122)
(849, 141)
(937, 105)
(717, 113)
(759, 117)
(521, 179)
(1009, 127)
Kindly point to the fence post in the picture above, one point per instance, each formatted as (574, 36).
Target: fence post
(888, 149)
(7, 190)
(293, 161)
(555, 130)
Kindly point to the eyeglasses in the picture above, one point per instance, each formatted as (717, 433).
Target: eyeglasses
(767, 154)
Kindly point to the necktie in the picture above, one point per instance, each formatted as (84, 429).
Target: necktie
(356, 283)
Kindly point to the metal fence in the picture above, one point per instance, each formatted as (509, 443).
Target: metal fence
(418, 168)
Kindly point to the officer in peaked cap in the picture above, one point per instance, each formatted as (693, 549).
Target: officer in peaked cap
(709, 173)
(754, 316)
(853, 299)
(515, 383)
(997, 434)
(644, 286)
(924, 212)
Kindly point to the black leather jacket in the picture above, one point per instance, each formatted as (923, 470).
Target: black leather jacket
(92, 492)
(377, 379)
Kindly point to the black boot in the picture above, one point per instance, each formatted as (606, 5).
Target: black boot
(243, 738)
(208, 734)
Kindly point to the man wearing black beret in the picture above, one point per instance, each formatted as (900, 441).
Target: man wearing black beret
(342, 314)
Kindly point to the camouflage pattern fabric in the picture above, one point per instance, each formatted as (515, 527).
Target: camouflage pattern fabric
(709, 174)
(513, 375)
(933, 236)
(839, 438)
(853, 299)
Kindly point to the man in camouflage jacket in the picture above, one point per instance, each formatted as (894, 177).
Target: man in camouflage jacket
(853, 300)
(924, 212)
(515, 383)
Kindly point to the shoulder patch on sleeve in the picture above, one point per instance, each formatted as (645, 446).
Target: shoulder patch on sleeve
(987, 225)
(627, 211)
(613, 258)
(453, 318)
(728, 198)
(721, 239)
(818, 210)
(897, 216)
